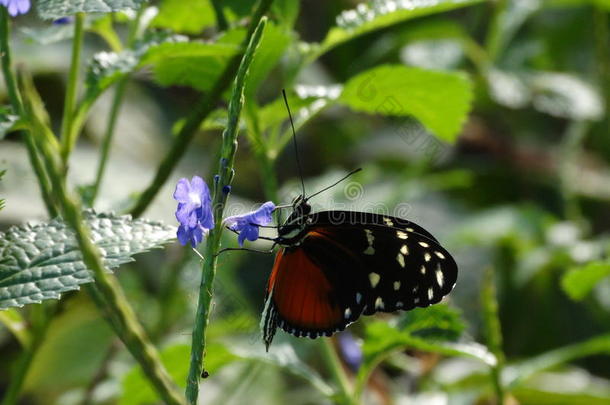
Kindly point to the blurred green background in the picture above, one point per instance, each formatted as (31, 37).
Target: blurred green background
(519, 196)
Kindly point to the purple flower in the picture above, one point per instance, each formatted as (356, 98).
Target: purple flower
(351, 352)
(194, 210)
(247, 224)
(16, 7)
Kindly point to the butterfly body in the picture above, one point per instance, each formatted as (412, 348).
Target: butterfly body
(334, 266)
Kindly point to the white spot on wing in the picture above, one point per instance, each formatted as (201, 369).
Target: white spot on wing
(396, 285)
(430, 293)
(374, 279)
(439, 254)
(358, 298)
(423, 269)
(348, 313)
(401, 260)
(388, 221)
(423, 244)
(402, 235)
(440, 278)
(427, 256)
(404, 250)
(379, 303)
(399, 304)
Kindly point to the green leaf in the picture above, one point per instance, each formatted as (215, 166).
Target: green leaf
(375, 15)
(106, 68)
(39, 262)
(436, 322)
(137, 389)
(72, 351)
(283, 355)
(189, 17)
(194, 64)
(12, 319)
(522, 371)
(439, 100)
(52, 9)
(579, 281)
(270, 50)
(8, 120)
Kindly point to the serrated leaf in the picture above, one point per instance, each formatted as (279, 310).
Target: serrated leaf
(106, 68)
(579, 281)
(39, 262)
(189, 17)
(375, 15)
(53, 9)
(194, 64)
(439, 100)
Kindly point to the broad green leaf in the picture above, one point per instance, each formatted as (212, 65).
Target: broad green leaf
(552, 397)
(8, 120)
(436, 322)
(136, 387)
(272, 46)
(72, 351)
(382, 340)
(194, 64)
(439, 100)
(579, 281)
(39, 262)
(375, 15)
(52, 9)
(106, 68)
(189, 17)
(13, 321)
(284, 356)
(520, 372)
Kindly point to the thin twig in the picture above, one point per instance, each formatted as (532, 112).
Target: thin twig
(225, 176)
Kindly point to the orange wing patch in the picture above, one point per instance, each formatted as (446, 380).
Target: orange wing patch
(302, 293)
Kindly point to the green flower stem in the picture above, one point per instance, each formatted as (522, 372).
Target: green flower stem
(201, 110)
(221, 20)
(15, 99)
(106, 292)
(68, 137)
(225, 173)
(338, 374)
(493, 332)
(495, 35)
(117, 102)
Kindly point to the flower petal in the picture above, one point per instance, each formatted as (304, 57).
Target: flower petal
(181, 194)
(262, 216)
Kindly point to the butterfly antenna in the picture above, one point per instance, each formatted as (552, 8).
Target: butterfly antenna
(336, 182)
(294, 139)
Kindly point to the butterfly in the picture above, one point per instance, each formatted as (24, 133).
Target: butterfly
(334, 266)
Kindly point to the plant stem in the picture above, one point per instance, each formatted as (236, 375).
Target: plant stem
(200, 111)
(68, 137)
(493, 332)
(15, 99)
(117, 101)
(570, 148)
(336, 369)
(225, 173)
(221, 20)
(106, 292)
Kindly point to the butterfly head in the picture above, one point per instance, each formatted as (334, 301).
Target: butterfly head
(296, 222)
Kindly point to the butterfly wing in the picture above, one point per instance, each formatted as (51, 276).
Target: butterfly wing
(349, 263)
